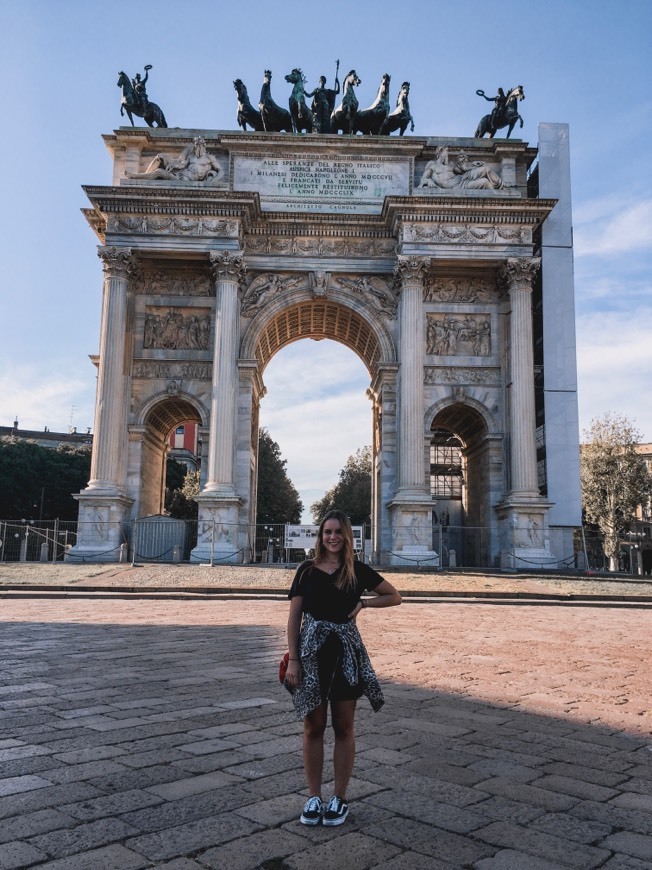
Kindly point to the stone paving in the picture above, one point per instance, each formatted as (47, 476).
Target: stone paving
(154, 733)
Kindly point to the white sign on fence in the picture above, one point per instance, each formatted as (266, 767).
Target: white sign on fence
(303, 537)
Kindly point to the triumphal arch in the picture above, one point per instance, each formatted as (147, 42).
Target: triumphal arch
(445, 264)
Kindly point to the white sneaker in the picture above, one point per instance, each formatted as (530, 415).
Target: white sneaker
(312, 811)
(336, 811)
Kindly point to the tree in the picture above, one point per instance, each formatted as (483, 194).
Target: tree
(352, 493)
(278, 499)
(615, 479)
(181, 485)
(37, 482)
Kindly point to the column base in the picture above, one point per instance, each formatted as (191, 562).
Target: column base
(220, 538)
(524, 534)
(103, 528)
(412, 530)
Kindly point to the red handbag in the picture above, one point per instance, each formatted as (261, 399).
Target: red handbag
(282, 668)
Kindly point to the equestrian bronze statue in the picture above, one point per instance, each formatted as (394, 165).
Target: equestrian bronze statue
(504, 114)
(136, 102)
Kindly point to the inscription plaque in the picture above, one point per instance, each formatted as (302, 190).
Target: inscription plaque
(347, 184)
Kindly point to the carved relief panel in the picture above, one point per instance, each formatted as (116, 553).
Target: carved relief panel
(171, 282)
(177, 328)
(452, 334)
(463, 290)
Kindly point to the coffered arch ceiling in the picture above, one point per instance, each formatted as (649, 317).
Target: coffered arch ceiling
(320, 319)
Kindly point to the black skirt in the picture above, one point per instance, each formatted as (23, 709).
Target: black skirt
(334, 685)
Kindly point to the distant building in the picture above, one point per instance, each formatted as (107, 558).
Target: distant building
(46, 438)
(637, 547)
(184, 444)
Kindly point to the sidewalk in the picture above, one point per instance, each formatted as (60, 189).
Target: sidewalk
(140, 734)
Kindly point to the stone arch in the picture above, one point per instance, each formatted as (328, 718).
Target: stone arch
(475, 437)
(149, 444)
(321, 317)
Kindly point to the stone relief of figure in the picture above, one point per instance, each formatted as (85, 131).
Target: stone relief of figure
(174, 331)
(193, 164)
(444, 334)
(261, 285)
(374, 291)
(464, 173)
(459, 290)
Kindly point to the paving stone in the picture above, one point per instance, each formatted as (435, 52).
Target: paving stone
(114, 857)
(554, 849)
(193, 785)
(523, 793)
(26, 802)
(412, 861)
(636, 845)
(82, 837)
(633, 801)
(111, 805)
(585, 774)
(249, 852)
(184, 839)
(17, 854)
(576, 788)
(22, 827)
(565, 827)
(509, 859)
(625, 862)
(16, 784)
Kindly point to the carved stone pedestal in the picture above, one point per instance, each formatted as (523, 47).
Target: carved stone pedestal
(219, 536)
(412, 534)
(102, 529)
(524, 535)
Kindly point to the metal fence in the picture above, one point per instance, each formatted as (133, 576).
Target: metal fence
(163, 539)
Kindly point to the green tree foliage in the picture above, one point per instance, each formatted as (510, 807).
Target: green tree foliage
(352, 493)
(181, 486)
(278, 500)
(615, 479)
(37, 482)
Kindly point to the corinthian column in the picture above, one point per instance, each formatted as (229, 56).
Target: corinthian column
(518, 273)
(411, 507)
(108, 464)
(228, 269)
(410, 274)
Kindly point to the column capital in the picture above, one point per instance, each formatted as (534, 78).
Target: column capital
(227, 265)
(117, 262)
(411, 270)
(517, 273)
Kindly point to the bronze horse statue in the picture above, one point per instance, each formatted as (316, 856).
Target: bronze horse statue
(246, 112)
(299, 111)
(132, 105)
(275, 119)
(400, 117)
(371, 120)
(505, 113)
(344, 115)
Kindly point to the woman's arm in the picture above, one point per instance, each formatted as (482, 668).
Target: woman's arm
(385, 595)
(293, 674)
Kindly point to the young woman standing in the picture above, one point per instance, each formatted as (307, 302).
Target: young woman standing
(328, 660)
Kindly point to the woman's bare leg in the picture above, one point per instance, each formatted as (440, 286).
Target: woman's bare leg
(343, 715)
(314, 726)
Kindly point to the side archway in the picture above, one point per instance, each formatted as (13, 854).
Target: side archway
(149, 440)
(465, 462)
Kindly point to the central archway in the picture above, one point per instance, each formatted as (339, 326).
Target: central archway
(363, 332)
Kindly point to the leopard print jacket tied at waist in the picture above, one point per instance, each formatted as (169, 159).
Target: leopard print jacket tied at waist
(356, 664)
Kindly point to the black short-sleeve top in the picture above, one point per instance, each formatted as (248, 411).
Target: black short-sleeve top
(321, 597)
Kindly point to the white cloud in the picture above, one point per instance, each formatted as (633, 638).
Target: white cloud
(604, 227)
(40, 397)
(614, 355)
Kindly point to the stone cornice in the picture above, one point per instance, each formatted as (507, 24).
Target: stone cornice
(454, 209)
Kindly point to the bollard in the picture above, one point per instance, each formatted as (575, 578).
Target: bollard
(452, 559)
(124, 553)
(45, 555)
(176, 553)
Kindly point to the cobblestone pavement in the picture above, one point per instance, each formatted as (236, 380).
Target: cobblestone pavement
(139, 734)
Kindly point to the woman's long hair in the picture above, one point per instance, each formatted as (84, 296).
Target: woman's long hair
(346, 580)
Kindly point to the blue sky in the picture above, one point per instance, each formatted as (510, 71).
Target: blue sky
(582, 62)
